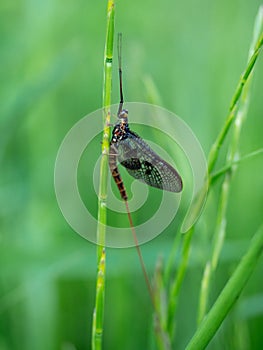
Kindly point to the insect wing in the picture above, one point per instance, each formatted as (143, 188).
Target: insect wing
(145, 165)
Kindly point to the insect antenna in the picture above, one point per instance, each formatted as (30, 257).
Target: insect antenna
(119, 47)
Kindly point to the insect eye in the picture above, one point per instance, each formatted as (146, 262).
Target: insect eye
(123, 114)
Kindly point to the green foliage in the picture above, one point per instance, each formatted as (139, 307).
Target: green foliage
(188, 54)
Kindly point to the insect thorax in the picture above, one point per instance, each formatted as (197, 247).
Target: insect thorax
(121, 129)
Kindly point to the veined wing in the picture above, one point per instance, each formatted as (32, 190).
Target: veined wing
(145, 165)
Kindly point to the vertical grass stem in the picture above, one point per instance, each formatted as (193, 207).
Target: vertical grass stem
(229, 295)
(234, 103)
(239, 105)
(98, 314)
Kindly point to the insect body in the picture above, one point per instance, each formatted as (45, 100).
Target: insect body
(140, 160)
(127, 148)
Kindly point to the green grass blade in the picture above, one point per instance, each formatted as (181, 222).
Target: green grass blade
(240, 115)
(240, 94)
(229, 295)
(177, 284)
(215, 175)
(233, 106)
(204, 292)
(97, 326)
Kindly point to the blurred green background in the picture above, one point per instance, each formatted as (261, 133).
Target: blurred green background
(51, 76)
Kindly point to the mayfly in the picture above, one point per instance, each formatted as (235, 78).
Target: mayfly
(135, 155)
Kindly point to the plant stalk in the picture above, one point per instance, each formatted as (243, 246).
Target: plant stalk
(239, 105)
(229, 295)
(233, 106)
(98, 314)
